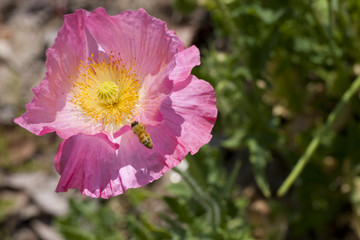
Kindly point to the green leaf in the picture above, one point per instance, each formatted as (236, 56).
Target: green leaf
(185, 6)
(179, 209)
(258, 158)
(180, 189)
(231, 179)
(137, 196)
(235, 140)
(138, 229)
(177, 230)
(75, 233)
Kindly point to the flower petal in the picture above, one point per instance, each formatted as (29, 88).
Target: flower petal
(157, 57)
(195, 101)
(177, 109)
(89, 164)
(147, 46)
(140, 39)
(100, 168)
(49, 110)
(185, 61)
(110, 169)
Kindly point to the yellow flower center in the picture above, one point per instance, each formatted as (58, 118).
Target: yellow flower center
(106, 91)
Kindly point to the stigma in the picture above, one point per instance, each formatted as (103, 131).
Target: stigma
(108, 93)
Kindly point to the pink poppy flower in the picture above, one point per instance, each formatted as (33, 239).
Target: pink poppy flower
(106, 73)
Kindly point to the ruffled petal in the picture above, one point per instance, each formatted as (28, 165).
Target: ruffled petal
(90, 164)
(142, 40)
(195, 101)
(100, 168)
(177, 109)
(159, 53)
(148, 47)
(49, 110)
(110, 169)
(186, 60)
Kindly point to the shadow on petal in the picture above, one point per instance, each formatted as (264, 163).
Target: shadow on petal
(151, 164)
(100, 168)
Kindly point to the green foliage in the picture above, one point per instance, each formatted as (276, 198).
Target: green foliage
(89, 220)
(185, 6)
(278, 68)
(284, 68)
(192, 211)
(258, 160)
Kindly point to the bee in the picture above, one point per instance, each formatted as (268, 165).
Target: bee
(143, 136)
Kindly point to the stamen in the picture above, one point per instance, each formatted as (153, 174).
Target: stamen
(106, 91)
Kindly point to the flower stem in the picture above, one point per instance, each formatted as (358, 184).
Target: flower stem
(318, 138)
(204, 199)
(228, 19)
(230, 25)
(232, 178)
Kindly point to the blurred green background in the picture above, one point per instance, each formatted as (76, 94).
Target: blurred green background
(278, 68)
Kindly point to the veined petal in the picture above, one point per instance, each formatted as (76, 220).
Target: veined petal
(195, 101)
(49, 110)
(89, 163)
(185, 61)
(141, 40)
(100, 168)
(106, 73)
(149, 48)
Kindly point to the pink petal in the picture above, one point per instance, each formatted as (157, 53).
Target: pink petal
(150, 48)
(138, 37)
(109, 169)
(105, 171)
(177, 109)
(49, 110)
(154, 47)
(186, 60)
(177, 70)
(195, 101)
(89, 164)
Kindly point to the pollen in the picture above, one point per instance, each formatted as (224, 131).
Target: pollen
(106, 91)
